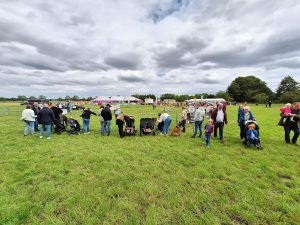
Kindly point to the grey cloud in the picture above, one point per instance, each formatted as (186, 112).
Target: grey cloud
(126, 61)
(131, 78)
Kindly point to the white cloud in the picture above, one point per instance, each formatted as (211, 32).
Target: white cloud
(124, 47)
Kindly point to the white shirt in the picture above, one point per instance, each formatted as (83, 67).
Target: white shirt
(163, 117)
(220, 116)
(28, 115)
(199, 114)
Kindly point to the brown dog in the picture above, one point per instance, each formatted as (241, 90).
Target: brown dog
(176, 131)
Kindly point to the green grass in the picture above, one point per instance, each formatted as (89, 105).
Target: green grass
(147, 180)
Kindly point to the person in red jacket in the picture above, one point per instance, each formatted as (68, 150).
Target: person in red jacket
(219, 116)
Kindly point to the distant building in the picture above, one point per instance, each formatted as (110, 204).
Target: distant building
(116, 100)
(149, 101)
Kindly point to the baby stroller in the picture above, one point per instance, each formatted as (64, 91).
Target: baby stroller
(59, 126)
(147, 126)
(255, 141)
(130, 126)
(74, 126)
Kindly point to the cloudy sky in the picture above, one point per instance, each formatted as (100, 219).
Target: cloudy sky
(109, 47)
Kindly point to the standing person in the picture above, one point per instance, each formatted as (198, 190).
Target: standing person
(270, 104)
(219, 117)
(29, 118)
(36, 110)
(198, 118)
(166, 118)
(57, 111)
(86, 119)
(107, 117)
(120, 123)
(292, 125)
(209, 129)
(244, 116)
(117, 111)
(183, 118)
(46, 118)
(100, 117)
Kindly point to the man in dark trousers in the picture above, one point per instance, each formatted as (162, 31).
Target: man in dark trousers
(36, 110)
(219, 117)
(107, 117)
(46, 118)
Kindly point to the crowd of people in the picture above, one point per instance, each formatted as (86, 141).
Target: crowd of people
(34, 115)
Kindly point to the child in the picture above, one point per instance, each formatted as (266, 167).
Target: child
(252, 134)
(209, 129)
(287, 111)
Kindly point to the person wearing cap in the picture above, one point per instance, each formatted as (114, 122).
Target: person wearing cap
(107, 117)
(219, 116)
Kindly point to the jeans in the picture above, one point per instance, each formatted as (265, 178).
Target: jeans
(120, 124)
(287, 131)
(86, 125)
(101, 125)
(167, 124)
(242, 131)
(207, 139)
(36, 125)
(46, 127)
(219, 125)
(106, 127)
(198, 125)
(29, 125)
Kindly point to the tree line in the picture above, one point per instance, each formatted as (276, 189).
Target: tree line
(241, 89)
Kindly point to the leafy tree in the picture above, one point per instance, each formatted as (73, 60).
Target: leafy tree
(89, 98)
(59, 99)
(167, 96)
(144, 96)
(290, 97)
(211, 96)
(32, 97)
(246, 88)
(75, 98)
(22, 98)
(42, 97)
(287, 84)
(67, 97)
(261, 98)
(225, 95)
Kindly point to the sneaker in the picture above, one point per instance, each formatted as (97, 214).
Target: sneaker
(161, 134)
(41, 137)
(84, 133)
(294, 143)
(222, 140)
(48, 138)
(193, 137)
(88, 132)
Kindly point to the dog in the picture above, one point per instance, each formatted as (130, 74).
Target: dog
(176, 132)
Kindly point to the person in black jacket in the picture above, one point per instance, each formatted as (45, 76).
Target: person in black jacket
(57, 111)
(86, 118)
(107, 117)
(36, 109)
(46, 118)
(292, 124)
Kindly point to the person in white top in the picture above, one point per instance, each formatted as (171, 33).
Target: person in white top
(28, 117)
(198, 118)
(183, 118)
(219, 117)
(166, 118)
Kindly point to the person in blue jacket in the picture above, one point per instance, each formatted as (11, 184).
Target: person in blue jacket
(243, 116)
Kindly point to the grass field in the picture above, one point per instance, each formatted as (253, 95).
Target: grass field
(89, 179)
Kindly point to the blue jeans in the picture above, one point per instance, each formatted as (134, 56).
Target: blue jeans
(105, 127)
(207, 139)
(198, 125)
(36, 125)
(46, 127)
(86, 125)
(167, 124)
(29, 125)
